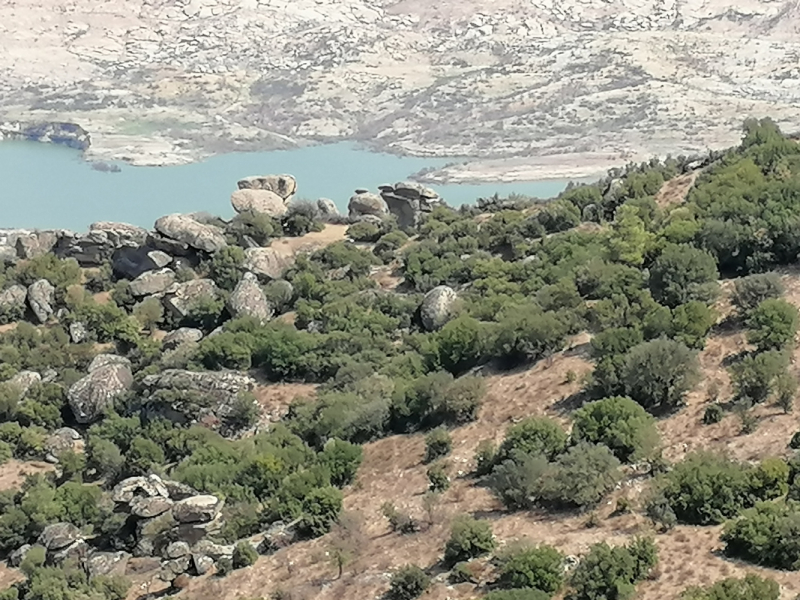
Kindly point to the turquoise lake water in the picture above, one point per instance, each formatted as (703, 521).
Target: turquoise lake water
(47, 186)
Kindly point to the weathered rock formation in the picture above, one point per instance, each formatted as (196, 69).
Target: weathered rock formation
(364, 203)
(24, 380)
(258, 201)
(407, 200)
(130, 262)
(152, 282)
(12, 301)
(267, 262)
(180, 336)
(283, 185)
(437, 307)
(92, 395)
(194, 234)
(183, 297)
(41, 296)
(248, 300)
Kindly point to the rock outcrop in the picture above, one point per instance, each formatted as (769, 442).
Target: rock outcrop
(131, 262)
(267, 262)
(24, 380)
(92, 395)
(59, 536)
(78, 332)
(106, 563)
(152, 282)
(248, 300)
(99, 244)
(437, 307)
(180, 336)
(327, 209)
(364, 203)
(60, 441)
(283, 185)
(259, 201)
(41, 297)
(407, 201)
(12, 301)
(186, 230)
(183, 297)
(197, 509)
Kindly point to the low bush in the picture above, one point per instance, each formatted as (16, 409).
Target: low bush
(438, 444)
(538, 567)
(612, 572)
(766, 535)
(244, 555)
(750, 587)
(620, 424)
(469, 538)
(408, 582)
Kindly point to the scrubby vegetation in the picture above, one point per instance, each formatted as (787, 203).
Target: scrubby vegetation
(641, 278)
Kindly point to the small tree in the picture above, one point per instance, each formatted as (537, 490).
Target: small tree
(438, 479)
(408, 582)
(534, 435)
(755, 376)
(612, 572)
(683, 273)
(750, 291)
(244, 555)
(519, 482)
(149, 313)
(772, 325)
(469, 538)
(751, 587)
(582, 476)
(539, 567)
(345, 541)
(438, 443)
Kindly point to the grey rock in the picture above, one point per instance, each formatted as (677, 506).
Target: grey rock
(36, 244)
(183, 297)
(12, 300)
(58, 536)
(267, 262)
(152, 282)
(104, 360)
(106, 563)
(24, 380)
(177, 550)
(130, 262)
(279, 535)
(248, 300)
(60, 441)
(188, 231)
(202, 563)
(139, 487)
(17, 556)
(258, 201)
(191, 533)
(414, 191)
(41, 297)
(99, 244)
(179, 491)
(327, 208)
(155, 528)
(49, 376)
(182, 335)
(90, 396)
(366, 203)
(147, 508)
(121, 234)
(213, 550)
(174, 567)
(77, 552)
(77, 332)
(197, 509)
(437, 307)
(282, 185)
(407, 200)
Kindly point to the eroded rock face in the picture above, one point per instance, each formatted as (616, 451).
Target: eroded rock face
(139, 487)
(103, 360)
(17, 556)
(327, 208)
(184, 296)
(37, 243)
(106, 563)
(58, 536)
(248, 300)
(182, 335)
(267, 262)
(190, 232)
(152, 282)
(41, 297)
(131, 262)
(92, 395)
(437, 307)
(24, 380)
(283, 185)
(100, 242)
(77, 332)
(197, 509)
(258, 201)
(366, 203)
(147, 508)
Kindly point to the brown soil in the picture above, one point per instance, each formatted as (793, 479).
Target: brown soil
(675, 190)
(311, 241)
(275, 398)
(13, 472)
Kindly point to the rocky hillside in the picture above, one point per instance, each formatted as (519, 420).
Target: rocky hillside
(573, 86)
(586, 398)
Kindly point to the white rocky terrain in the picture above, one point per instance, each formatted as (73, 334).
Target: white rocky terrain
(552, 87)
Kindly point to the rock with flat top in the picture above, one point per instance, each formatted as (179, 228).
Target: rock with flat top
(283, 185)
(106, 563)
(152, 282)
(259, 201)
(58, 536)
(186, 230)
(181, 336)
(197, 509)
(147, 508)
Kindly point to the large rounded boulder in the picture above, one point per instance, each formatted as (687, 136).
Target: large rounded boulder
(248, 300)
(41, 297)
(283, 185)
(437, 307)
(259, 201)
(92, 395)
(365, 203)
(186, 230)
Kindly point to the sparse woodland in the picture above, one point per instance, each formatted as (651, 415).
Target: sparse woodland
(637, 282)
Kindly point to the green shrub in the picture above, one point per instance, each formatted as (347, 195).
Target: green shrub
(612, 572)
(794, 443)
(750, 291)
(469, 538)
(486, 455)
(766, 535)
(302, 218)
(321, 508)
(342, 460)
(539, 567)
(438, 479)
(525, 594)
(364, 231)
(438, 443)
(408, 582)
(750, 587)
(388, 244)
(463, 572)
(518, 482)
(534, 435)
(756, 376)
(244, 555)
(713, 414)
(772, 325)
(399, 521)
(59, 272)
(683, 273)
(582, 476)
(6, 452)
(619, 423)
(279, 294)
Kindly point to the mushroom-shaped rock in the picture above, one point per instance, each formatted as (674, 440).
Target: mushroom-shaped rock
(437, 307)
(282, 185)
(267, 262)
(258, 201)
(366, 203)
(186, 230)
(12, 302)
(147, 508)
(24, 380)
(58, 536)
(139, 487)
(248, 300)
(183, 297)
(90, 396)
(107, 563)
(414, 191)
(152, 282)
(182, 335)
(197, 509)
(41, 296)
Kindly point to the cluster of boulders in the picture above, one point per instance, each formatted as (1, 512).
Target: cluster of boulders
(268, 194)
(406, 200)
